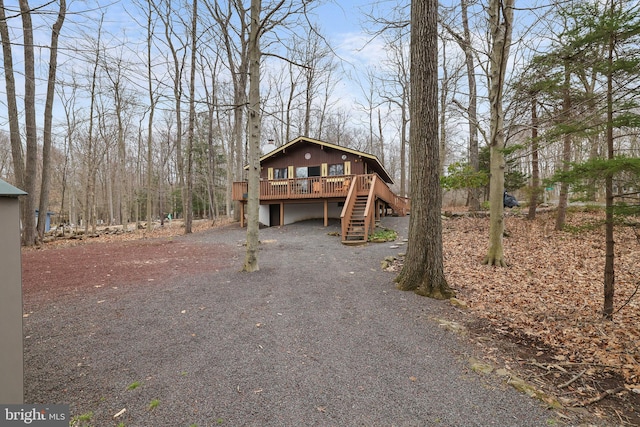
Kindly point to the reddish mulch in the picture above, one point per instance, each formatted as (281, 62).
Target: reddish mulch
(131, 259)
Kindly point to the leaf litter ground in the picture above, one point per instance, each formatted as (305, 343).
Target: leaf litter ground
(548, 303)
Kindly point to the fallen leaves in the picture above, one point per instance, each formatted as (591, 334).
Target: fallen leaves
(552, 290)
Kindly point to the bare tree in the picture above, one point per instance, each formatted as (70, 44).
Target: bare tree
(370, 104)
(465, 43)
(166, 12)
(275, 15)
(115, 69)
(472, 110)
(314, 63)
(423, 270)
(396, 92)
(29, 236)
(48, 119)
(188, 219)
(91, 157)
(253, 199)
(500, 26)
(17, 152)
(233, 32)
(210, 65)
(68, 179)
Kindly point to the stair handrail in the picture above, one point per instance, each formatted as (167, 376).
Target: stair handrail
(398, 204)
(347, 209)
(369, 223)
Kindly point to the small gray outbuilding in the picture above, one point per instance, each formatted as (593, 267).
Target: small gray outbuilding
(11, 349)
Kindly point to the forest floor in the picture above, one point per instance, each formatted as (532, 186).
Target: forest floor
(548, 305)
(542, 315)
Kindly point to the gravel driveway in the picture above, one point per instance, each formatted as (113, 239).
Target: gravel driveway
(318, 337)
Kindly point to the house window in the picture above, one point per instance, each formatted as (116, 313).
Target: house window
(280, 173)
(307, 171)
(337, 169)
(314, 171)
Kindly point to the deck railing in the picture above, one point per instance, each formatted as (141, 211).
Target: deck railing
(400, 205)
(297, 188)
(323, 187)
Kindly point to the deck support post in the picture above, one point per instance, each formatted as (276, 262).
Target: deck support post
(326, 213)
(241, 214)
(281, 214)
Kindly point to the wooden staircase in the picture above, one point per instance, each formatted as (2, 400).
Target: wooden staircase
(366, 197)
(356, 228)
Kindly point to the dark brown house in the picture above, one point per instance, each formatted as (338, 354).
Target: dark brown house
(307, 179)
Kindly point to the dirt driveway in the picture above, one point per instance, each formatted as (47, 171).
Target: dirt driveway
(169, 332)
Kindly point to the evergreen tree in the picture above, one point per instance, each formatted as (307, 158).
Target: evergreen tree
(606, 38)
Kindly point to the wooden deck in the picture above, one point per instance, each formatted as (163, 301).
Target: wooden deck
(365, 197)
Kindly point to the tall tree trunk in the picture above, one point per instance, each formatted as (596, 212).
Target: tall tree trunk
(535, 168)
(109, 188)
(609, 270)
(238, 68)
(444, 91)
(566, 151)
(29, 235)
(188, 219)
(17, 153)
(237, 142)
(213, 117)
(211, 166)
(423, 270)
(178, 66)
(149, 171)
(500, 21)
(123, 211)
(403, 148)
(69, 169)
(253, 199)
(381, 137)
(152, 110)
(121, 215)
(289, 110)
(308, 100)
(48, 118)
(472, 111)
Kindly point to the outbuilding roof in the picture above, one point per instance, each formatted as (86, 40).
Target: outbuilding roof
(7, 189)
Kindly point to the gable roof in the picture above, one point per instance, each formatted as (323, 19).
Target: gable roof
(7, 189)
(371, 159)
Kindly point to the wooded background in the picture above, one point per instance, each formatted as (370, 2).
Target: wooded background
(121, 113)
